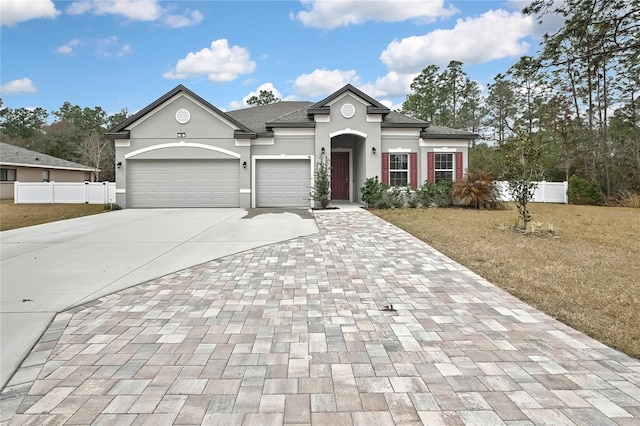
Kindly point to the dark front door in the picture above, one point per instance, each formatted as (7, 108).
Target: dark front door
(339, 175)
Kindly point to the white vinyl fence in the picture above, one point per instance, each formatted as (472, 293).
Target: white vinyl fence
(64, 192)
(546, 192)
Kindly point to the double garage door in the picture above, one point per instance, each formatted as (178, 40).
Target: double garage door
(215, 183)
(184, 183)
(283, 183)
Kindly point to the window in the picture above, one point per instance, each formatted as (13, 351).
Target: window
(444, 167)
(398, 169)
(7, 175)
(45, 175)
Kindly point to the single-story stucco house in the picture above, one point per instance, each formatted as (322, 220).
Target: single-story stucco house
(23, 165)
(182, 151)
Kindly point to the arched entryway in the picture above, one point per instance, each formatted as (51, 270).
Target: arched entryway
(347, 165)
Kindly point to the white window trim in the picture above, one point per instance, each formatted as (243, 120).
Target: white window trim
(453, 165)
(408, 170)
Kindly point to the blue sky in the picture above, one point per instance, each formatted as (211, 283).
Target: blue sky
(126, 53)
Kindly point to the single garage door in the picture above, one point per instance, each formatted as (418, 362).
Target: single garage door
(184, 183)
(283, 183)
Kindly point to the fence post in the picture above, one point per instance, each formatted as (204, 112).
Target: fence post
(544, 193)
(15, 192)
(566, 190)
(53, 192)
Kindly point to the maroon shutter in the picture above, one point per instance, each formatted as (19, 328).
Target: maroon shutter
(413, 169)
(459, 169)
(385, 168)
(431, 167)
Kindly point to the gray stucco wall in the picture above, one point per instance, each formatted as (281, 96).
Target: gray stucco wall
(161, 128)
(365, 163)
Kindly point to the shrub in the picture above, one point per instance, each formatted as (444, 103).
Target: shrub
(478, 190)
(582, 191)
(522, 191)
(412, 199)
(321, 192)
(394, 197)
(434, 194)
(372, 191)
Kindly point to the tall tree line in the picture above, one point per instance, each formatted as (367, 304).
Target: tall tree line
(75, 134)
(576, 103)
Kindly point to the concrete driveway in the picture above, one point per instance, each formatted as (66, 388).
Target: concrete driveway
(48, 268)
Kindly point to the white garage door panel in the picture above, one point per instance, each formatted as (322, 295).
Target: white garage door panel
(184, 183)
(283, 183)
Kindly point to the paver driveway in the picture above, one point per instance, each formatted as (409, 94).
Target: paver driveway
(298, 333)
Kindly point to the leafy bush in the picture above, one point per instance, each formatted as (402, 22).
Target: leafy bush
(522, 191)
(582, 191)
(372, 191)
(434, 194)
(478, 190)
(393, 197)
(321, 191)
(412, 199)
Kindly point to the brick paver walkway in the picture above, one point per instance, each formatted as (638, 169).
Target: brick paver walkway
(298, 333)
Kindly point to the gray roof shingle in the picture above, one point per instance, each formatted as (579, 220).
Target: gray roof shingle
(15, 155)
(256, 118)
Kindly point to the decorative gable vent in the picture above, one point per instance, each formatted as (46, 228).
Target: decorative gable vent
(348, 110)
(183, 116)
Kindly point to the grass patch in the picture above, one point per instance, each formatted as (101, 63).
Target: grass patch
(585, 274)
(14, 216)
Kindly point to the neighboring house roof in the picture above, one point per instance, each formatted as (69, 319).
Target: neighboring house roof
(260, 120)
(11, 155)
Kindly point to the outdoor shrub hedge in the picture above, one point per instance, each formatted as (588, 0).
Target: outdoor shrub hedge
(582, 191)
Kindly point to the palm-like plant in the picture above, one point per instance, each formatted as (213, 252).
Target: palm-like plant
(477, 190)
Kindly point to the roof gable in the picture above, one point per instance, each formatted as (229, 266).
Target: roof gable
(121, 132)
(349, 88)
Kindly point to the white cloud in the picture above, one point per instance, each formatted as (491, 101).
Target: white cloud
(191, 18)
(23, 85)
(67, 49)
(137, 10)
(219, 63)
(333, 14)
(110, 47)
(391, 85)
(16, 11)
(323, 82)
(493, 35)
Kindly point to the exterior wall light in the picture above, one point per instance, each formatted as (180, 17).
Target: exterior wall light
(244, 165)
(119, 164)
(182, 135)
(322, 151)
(373, 150)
